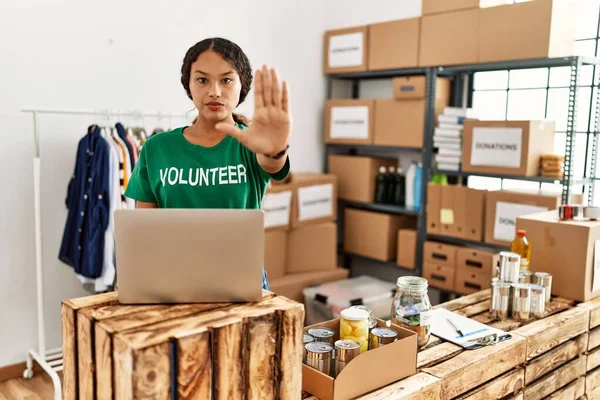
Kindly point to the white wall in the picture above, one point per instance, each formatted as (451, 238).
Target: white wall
(126, 55)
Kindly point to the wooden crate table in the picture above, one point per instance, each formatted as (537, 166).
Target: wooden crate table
(187, 351)
(547, 358)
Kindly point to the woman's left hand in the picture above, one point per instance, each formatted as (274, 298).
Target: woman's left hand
(270, 128)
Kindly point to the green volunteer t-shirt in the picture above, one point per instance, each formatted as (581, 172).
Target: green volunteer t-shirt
(174, 173)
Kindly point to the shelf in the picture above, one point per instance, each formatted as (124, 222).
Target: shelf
(371, 148)
(386, 208)
(465, 242)
(519, 64)
(388, 73)
(540, 179)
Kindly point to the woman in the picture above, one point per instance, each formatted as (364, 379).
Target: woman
(221, 160)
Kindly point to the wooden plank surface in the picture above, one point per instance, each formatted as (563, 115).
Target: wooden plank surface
(290, 353)
(416, 387)
(151, 376)
(123, 370)
(227, 360)
(548, 333)
(261, 369)
(475, 309)
(465, 301)
(593, 306)
(104, 363)
(592, 380)
(437, 354)
(92, 301)
(594, 341)
(69, 340)
(593, 359)
(470, 369)
(508, 384)
(85, 357)
(572, 391)
(558, 356)
(556, 380)
(194, 372)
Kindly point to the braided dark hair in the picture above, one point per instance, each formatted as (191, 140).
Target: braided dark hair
(231, 53)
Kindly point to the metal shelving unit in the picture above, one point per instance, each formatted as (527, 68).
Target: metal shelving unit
(462, 76)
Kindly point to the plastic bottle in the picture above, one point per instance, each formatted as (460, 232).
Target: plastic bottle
(410, 185)
(399, 187)
(418, 186)
(380, 186)
(390, 185)
(522, 247)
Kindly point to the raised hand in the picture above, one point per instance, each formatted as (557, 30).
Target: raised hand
(270, 128)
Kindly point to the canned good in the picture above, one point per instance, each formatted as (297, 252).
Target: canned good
(354, 325)
(500, 304)
(521, 301)
(318, 356)
(382, 336)
(525, 276)
(322, 335)
(509, 267)
(345, 351)
(306, 339)
(538, 300)
(544, 279)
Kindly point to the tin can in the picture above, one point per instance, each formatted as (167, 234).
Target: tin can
(521, 301)
(382, 336)
(306, 339)
(544, 279)
(500, 304)
(509, 267)
(322, 335)
(345, 351)
(538, 300)
(318, 356)
(525, 276)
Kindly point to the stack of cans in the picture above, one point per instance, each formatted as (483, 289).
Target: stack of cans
(518, 294)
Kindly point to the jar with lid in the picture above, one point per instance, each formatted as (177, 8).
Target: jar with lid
(354, 325)
(411, 307)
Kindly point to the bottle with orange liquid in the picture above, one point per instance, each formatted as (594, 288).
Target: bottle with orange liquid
(522, 247)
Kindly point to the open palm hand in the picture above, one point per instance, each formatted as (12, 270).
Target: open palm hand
(270, 129)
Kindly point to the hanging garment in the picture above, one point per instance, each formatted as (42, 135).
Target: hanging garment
(120, 150)
(87, 200)
(129, 203)
(123, 135)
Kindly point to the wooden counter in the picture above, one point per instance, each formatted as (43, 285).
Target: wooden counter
(556, 357)
(189, 351)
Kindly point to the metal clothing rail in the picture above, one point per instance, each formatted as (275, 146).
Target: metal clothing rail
(51, 360)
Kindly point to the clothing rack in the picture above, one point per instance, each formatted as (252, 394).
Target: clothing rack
(51, 361)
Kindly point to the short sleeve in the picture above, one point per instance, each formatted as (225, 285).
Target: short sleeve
(139, 187)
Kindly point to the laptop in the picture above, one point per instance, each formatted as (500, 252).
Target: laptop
(189, 255)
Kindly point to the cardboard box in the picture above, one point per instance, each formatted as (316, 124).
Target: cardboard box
(506, 147)
(345, 50)
(537, 29)
(567, 251)
(504, 207)
(356, 175)
(475, 260)
(387, 130)
(349, 121)
(434, 205)
(312, 248)
(442, 6)
(447, 218)
(373, 235)
(277, 205)
(276, 245)
(394, 44)
(448, 39)
(474, 202)
(468, 281)
(406, 248)
(440, 254)
(439, 276)
(414, 88)
(360, 376)
(315, 199)
(291, 286)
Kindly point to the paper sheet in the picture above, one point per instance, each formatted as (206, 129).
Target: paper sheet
(471, 329)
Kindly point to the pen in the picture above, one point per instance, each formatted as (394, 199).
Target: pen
(455, 327)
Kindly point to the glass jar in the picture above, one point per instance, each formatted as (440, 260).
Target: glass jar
(411, 306)
(354, 325)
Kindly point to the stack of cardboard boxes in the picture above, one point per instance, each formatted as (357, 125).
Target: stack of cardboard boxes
(455, 32)
(301, 234)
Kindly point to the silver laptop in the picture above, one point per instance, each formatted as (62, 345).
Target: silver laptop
(189, 255)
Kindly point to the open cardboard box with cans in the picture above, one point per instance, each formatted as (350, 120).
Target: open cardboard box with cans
(367, 372)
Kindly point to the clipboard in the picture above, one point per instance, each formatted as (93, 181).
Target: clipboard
(464, 332)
